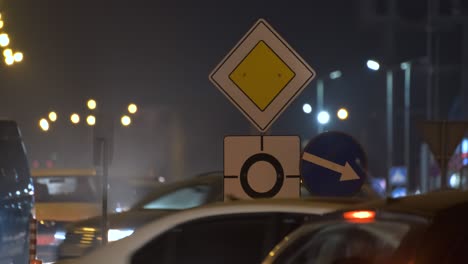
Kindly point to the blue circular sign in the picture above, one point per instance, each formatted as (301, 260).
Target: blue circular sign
(333, 164)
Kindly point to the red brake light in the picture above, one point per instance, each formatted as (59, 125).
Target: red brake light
(359, 216)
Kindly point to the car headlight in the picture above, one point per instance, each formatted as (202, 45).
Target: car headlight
(117, 234)
(59, 235)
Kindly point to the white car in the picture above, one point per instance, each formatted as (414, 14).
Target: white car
(232, 232)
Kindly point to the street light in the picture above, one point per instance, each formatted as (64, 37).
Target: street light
(92, 104)
(4, 40)
(320, 91)
(335, 75)
(1, 24)
(53, 116)
(307, 108)
(373, 65)
(323, 117)
(44, 124)
(18, 56)
(75, 118)
(9, 60)
(126, 120)
(91, 120)
(132, 108)
(7, 53)
(342, 114)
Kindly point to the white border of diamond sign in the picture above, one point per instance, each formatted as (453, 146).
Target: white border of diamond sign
(303, 74)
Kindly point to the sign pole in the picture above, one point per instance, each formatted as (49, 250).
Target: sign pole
(389, 127)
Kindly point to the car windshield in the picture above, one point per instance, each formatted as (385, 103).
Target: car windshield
(183, 198)
(370, 243)
(65, 189)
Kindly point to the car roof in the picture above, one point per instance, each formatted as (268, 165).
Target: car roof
(426, 205)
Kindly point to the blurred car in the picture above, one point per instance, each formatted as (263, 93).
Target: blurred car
(83, 236)
(230, 232)
(202, 189)
(424, 229)
(62, 196)
(16, 196)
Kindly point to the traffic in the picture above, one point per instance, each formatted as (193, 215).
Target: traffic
(267, 133)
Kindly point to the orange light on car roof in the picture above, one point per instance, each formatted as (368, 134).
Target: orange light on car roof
(359, 216)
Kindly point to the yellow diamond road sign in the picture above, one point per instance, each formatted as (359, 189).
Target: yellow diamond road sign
(262, 75)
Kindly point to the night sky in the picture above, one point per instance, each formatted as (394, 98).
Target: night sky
(159, 54)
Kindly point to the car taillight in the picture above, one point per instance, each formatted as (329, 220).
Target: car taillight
(359, 216)
(33, 241)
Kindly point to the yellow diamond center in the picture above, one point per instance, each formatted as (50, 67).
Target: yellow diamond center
(262, 75)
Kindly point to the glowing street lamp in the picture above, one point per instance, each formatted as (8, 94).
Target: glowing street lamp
(126, 120)
(307, 108)
(4, 40)
(132, 108)
(1, 24)
(323, 117)
(92, 104)
(44, 124)
(18, 56)
(75, 118)
(342, 114)
(91, 120)
(9, 60)
(53, 116)
(373, 65)
(7, 53)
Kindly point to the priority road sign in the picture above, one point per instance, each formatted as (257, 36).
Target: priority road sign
(261, 167)
(333, 164)
(262, 75)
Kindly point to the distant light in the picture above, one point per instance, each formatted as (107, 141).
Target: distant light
(53, 116)
(342, 114)
(335, 75)
(18, 56)
(9, 60)
(161, 179)
(92, 104)
(75, 118)
(91, 120)
(307, 108)
(4, 40)
(44, 124)
(323, 117)
(126, 120)
(464, 146)
(132, 108)
(7, 53)
(455, 180)
(117, 234)
(404, 65)
(1, 23)
(373, 65)
(60, 235)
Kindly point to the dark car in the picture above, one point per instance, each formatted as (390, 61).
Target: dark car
(426, 229)
(16, 196)
(85, 235)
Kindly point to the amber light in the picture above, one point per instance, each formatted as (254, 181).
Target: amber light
(359, 216)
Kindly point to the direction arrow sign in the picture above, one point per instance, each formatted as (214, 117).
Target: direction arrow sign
(262, 75)
(333, 164)
(346, 171)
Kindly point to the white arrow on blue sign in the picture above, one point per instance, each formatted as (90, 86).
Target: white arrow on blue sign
(333, 164)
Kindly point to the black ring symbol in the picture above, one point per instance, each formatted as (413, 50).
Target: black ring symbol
(245, 170)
